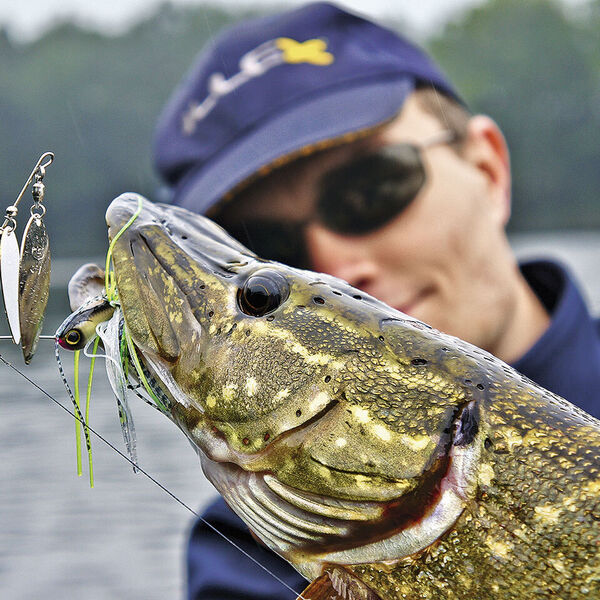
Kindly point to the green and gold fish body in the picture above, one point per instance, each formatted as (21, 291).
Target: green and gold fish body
(355, 441)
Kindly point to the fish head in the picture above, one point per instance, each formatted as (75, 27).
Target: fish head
(329, 405)
(234, 333)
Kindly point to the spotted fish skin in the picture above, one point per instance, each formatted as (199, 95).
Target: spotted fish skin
(353, 440)
(532, 528)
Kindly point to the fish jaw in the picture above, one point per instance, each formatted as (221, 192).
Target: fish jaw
(314, 532)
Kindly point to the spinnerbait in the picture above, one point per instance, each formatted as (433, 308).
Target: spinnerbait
(25, 272)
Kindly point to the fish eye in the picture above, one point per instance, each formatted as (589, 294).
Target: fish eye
(72, 337)
(262, 293)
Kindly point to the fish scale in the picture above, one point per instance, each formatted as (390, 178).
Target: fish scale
(522, 523)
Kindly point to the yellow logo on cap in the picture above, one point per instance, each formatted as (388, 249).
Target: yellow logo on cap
(310, 51)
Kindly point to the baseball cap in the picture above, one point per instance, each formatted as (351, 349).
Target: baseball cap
(276, 87)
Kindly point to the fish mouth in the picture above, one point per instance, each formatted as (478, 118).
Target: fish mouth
(178, 277)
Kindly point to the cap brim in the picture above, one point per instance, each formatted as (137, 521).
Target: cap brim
(325, 117)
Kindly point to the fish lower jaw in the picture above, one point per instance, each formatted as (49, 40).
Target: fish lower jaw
(310, 530)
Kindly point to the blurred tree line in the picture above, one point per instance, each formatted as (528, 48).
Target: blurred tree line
(94, 99)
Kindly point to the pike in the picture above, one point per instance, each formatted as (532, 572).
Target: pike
(380, 457)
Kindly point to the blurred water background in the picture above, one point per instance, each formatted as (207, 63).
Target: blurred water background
(93, 96)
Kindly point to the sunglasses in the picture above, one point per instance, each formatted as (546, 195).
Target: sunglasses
(356, 198)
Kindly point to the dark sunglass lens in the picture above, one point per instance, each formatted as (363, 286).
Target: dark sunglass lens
(273, 240)
(369, 192)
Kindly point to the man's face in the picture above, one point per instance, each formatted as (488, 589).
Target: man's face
(444, 259)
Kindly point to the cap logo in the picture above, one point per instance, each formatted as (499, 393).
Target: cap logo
(253, 64)
(310, 51)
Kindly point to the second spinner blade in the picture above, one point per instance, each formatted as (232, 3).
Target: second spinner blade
(9, 270)
(34, 284)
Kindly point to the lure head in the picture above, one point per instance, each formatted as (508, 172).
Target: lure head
(88, 300)
(80, 327)
(294, 381)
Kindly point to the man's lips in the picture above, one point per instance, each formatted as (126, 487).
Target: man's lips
(408, 307)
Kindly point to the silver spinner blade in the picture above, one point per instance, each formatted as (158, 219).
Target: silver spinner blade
(9, 270)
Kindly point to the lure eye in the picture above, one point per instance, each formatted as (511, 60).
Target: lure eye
(73, 337)
(262, 293)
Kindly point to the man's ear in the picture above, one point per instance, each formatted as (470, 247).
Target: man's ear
(486, 149)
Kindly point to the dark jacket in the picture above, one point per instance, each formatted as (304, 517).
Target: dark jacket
(565, 360)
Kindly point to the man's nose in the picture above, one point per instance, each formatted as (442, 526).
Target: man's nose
(341, 255)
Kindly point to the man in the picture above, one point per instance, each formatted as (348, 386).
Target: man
(325, 141)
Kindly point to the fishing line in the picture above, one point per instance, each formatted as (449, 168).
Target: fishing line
(110, 285)
(150, 477)
(140, 371)
(94, 355)
(42, 337)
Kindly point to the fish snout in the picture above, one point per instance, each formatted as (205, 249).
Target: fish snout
(176, 273)
(127, 206)
(194, 234)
